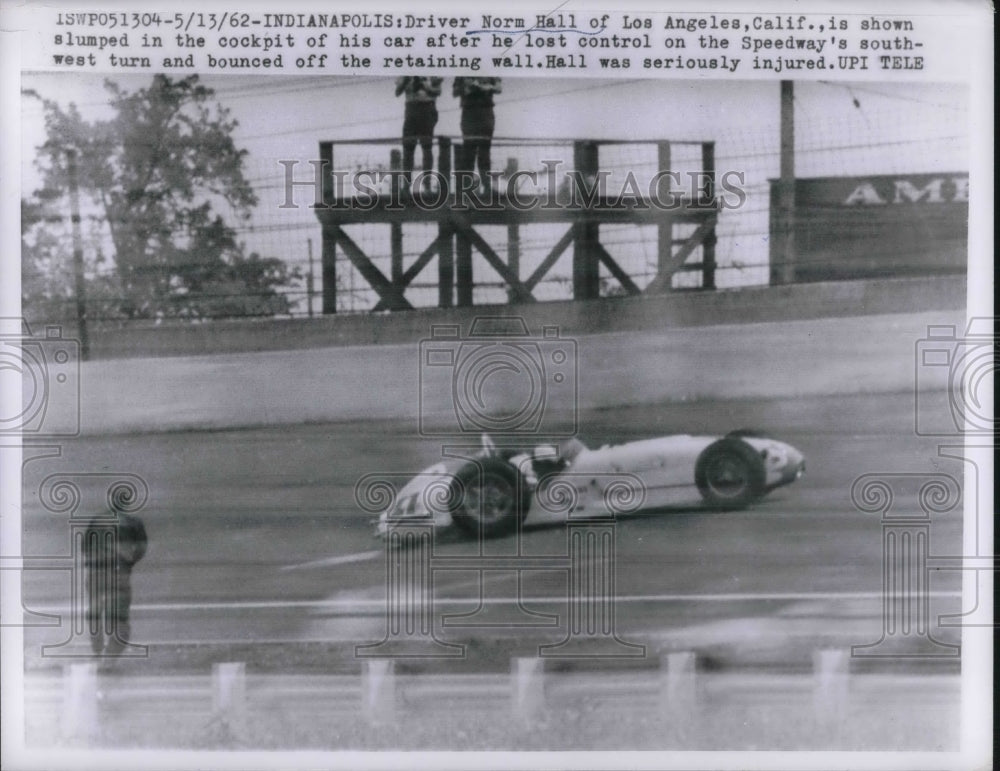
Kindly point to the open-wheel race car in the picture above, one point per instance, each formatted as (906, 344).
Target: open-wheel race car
(492, 490)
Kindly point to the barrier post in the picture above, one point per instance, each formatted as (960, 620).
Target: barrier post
(378, 690)
(229, 697)
(527, 686)
(830, 673)
(678, 695)
(80, 702)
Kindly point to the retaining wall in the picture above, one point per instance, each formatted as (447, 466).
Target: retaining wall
(678, 309)
(770, 359)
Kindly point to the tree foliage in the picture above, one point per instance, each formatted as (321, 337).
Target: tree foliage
(46, 278)
(159, 172)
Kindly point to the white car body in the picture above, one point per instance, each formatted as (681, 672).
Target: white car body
(574, 481)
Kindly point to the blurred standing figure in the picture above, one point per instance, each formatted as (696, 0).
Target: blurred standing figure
(110, 550)
(419, 119)
(478, 121)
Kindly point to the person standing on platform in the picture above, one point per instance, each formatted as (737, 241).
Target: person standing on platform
(110, 551)
(478, 121)
(419, 119)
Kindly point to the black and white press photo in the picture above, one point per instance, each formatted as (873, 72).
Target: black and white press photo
(615, 383)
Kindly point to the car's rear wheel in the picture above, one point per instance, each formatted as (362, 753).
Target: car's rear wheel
(492, 498)
(730, 474)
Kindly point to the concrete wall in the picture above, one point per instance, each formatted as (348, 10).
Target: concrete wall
(680, 309)
(786, 358)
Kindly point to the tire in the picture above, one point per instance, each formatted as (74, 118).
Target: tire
(730, 474)
(493, 498)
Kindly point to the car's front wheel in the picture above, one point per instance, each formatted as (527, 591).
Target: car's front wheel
(492, 498)
(730, 474)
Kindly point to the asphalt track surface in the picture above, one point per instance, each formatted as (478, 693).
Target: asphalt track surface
(255, 537)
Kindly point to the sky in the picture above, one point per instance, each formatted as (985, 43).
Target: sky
(841, 129)
(288, 115)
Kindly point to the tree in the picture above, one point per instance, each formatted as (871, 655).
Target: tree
(46, 280)
(158, 171)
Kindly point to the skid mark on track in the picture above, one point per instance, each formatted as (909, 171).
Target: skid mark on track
(342, 559)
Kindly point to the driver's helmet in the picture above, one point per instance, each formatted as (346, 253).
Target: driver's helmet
(570, 448)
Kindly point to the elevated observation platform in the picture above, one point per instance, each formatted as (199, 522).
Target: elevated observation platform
(582, 183)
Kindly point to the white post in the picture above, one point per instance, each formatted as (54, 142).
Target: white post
(80, 702)
(378, 690)
(830, 670)
(677, 684)
(229, 696)
(527, 688)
